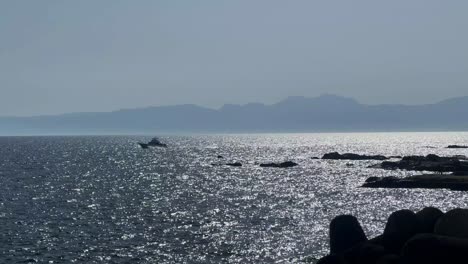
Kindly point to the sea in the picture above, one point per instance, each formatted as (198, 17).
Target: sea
(103, 199)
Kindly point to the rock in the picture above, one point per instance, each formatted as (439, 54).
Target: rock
(345, 233)
(220, 157)
(235, 164)
(456, 146)
(370, 253)
(460, 173)
(454, 223)
(428, 217)
(315, 158)
(286, 164)
(395, 157)
(425, 181)
(372, 179)
(352, 156)
(332, 259)
(432, 249)
(389, 259)
(430, 162)
(401, 226)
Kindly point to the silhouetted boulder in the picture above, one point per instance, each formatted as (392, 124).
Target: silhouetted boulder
(401, 226)
(286, 164)
(428, 218)
(220, 157)
(370, 253)
(352, 156)
(454, 223)
(456, 146)
(434, 249)
(345, 233)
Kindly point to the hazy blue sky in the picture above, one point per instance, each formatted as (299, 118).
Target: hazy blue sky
(87, 55)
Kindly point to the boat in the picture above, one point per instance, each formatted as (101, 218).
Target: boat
(155, 142)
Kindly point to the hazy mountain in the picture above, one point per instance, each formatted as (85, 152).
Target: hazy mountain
(299, 114)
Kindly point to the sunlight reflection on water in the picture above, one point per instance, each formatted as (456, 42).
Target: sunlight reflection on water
(104, 199)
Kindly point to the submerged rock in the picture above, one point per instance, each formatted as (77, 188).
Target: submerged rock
(286, 164)
(352, 156)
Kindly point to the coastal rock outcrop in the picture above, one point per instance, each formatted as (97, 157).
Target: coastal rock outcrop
(286, 164)
(430, 162)
(352, 156)
(425, 181)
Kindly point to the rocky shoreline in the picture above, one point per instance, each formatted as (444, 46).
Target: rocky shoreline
(426, 237)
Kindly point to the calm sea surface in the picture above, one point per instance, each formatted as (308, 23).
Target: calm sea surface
(105, 200)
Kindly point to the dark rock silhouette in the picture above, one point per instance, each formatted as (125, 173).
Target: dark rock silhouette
(345, 233)
(428, 218)
(456, 146)
(434, 249)
(407, 239)
(389, 259)
(352, 156)
(234, 164)
(332, 259)
(426, 181)
(286, 164)
(401, 226)
(430, 162)
(370, 253)
(454, 224)
(315, 158)
(220, 157)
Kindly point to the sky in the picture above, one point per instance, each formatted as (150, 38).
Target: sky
(60, 56)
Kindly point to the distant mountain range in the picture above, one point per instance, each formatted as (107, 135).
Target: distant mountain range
(294, 114)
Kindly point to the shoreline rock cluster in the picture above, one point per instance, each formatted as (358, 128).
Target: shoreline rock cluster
(426, 237)
(457, 166)
(430, 162)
